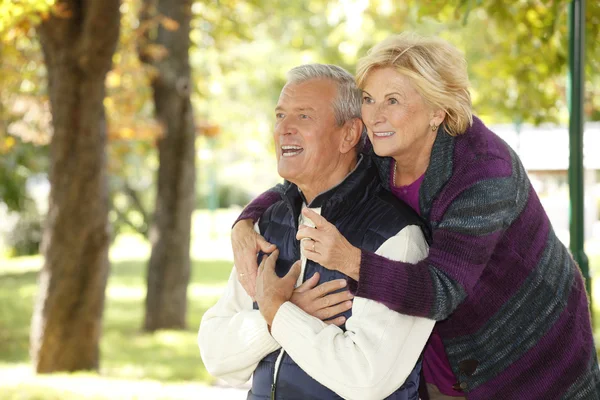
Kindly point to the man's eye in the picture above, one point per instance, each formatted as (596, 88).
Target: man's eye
(279, 115)
(303, 116)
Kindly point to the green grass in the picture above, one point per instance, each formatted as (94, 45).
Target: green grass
(127, 353)
(134, 365)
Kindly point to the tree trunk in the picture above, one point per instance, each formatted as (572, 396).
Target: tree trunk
(169, 266)
(67, 320)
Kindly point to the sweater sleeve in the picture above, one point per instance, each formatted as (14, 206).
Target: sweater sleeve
(233, 337)
(259, 205)
(468, 219)
(379, 348)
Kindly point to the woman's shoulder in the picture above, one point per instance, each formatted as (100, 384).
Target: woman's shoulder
(480, 142)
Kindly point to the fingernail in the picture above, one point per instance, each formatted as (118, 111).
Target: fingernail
(342, 283)
(350, 295)
(349, 303)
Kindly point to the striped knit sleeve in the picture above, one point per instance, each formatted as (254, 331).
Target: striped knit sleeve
(468, 219)
(259, 205)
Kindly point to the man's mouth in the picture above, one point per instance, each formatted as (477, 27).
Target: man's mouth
(383, 134)
(291, 151)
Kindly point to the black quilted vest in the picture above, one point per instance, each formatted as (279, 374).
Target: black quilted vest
(367, 215)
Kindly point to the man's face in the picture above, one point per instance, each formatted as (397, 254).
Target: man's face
(307, 138)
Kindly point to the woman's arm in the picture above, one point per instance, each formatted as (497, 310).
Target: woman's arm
(467, 219)
(259, 205)
(246, 242)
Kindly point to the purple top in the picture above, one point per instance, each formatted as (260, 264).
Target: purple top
(409, 193)
(512, 310)
(436, 367)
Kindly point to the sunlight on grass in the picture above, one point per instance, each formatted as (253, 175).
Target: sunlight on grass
(18, 383)
(135, 364)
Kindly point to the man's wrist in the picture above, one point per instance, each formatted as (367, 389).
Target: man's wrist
(270, 311)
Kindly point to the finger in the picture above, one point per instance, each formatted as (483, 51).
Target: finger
(309, 245)
(329, 312)
(309, 233)
(270, 261)
(326, 288)
(309, 283)
(263, 245)
(261, 266)
(294, 273)
(317, 219)
(336, 321)
(335, 298)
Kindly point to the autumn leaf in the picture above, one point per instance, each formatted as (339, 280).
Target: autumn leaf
(169, 23)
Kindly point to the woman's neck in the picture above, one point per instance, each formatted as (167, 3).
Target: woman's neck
(409, 167)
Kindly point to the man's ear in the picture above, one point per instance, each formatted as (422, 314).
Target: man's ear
(352, 132)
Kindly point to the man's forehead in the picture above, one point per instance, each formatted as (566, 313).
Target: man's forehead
(305, 95)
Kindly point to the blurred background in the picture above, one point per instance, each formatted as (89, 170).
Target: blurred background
(132, 133)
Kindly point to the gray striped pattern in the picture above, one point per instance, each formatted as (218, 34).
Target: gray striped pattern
(438, 172)
(587, 387)
(523, 320)
(448, 294)
(489, 205)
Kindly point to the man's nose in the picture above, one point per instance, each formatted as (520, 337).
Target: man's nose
(285, 128)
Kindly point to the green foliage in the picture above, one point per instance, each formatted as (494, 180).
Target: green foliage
(26, 236)
(518, 55)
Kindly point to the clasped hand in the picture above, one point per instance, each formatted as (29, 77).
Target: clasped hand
(318, 301)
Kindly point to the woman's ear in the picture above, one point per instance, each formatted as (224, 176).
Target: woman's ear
(352, 134)
(438, 116)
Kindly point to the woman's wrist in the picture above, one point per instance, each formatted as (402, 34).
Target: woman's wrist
(352, 267)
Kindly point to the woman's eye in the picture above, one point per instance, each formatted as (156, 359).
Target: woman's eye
(367, 100)
(393, 101)
(303, 116)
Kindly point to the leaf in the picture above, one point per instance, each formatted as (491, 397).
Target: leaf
(169, 23)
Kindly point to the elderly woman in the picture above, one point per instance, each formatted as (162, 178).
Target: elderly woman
(512, 311)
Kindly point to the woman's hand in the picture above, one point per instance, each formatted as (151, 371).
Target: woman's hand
(246, 243)
(320, 302)
(327, 246)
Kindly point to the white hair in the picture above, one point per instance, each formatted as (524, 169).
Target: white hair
(348, 101)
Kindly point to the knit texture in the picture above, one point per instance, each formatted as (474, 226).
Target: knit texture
(507, 293)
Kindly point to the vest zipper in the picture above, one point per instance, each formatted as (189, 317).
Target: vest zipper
(303, 273)
(276, 373)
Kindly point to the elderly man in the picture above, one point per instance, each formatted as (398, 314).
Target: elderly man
(291, 354)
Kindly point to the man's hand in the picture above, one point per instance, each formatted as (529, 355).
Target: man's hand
(320, 302)
(246, 243)
(272, 291)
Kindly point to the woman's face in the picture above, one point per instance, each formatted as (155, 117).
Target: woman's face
(398, 120)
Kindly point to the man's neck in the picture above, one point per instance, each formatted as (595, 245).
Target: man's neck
(329, 180)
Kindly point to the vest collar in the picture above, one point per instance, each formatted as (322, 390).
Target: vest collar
(341, 197)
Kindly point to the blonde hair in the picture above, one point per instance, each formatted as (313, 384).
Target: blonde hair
(436, 68)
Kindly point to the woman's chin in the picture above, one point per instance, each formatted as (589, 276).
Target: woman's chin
(383, 151)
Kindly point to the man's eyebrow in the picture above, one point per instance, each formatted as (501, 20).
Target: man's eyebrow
(300, 109)
(306, 109)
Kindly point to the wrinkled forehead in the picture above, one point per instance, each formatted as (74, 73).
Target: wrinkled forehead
(318, 94)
